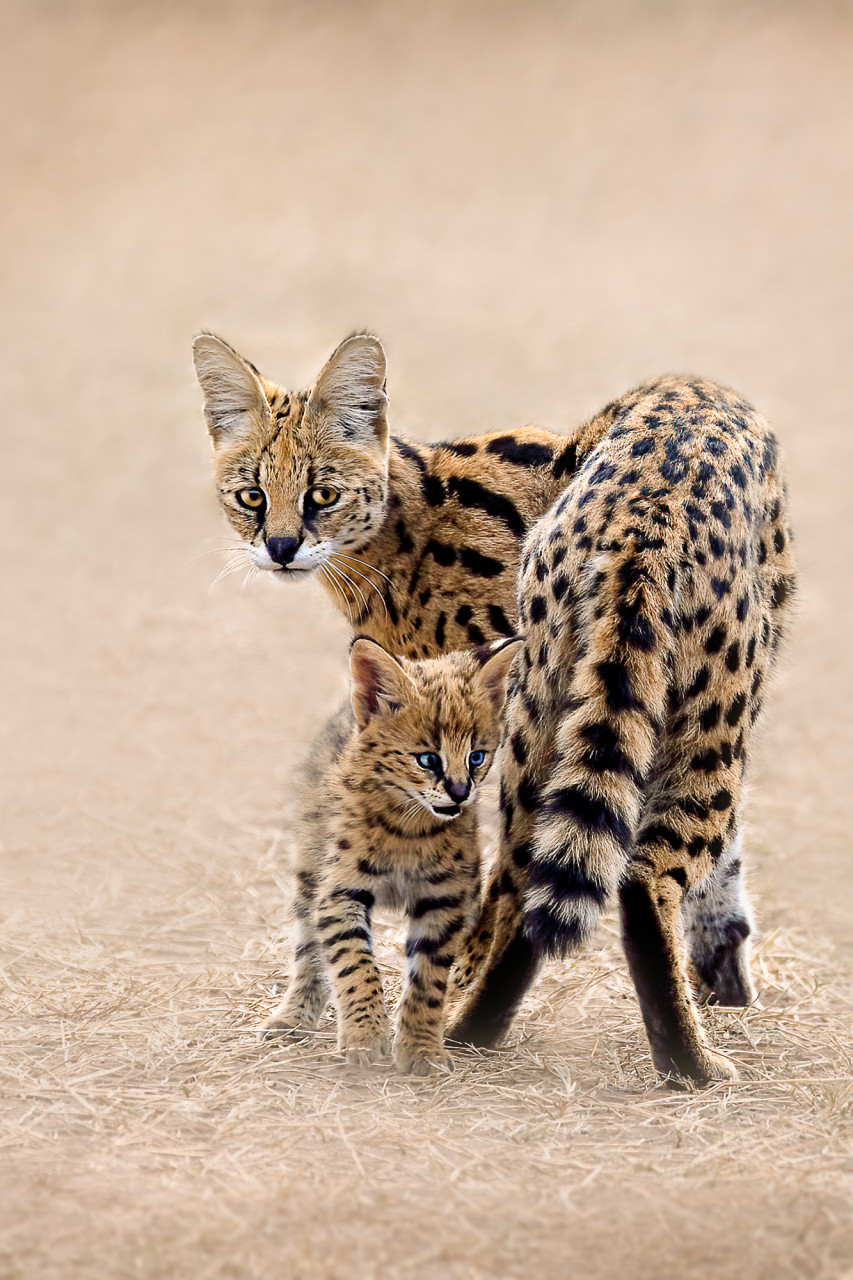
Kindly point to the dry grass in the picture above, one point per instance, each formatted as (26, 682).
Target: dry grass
(124, 1068)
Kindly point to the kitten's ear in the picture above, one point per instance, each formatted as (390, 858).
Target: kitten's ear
(496, 661)
(349, 395)
(234, 400)
(379, 683)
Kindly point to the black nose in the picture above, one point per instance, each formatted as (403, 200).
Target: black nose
(457, 791)
(283, 550)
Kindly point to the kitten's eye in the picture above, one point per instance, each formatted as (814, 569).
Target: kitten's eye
(476, 758)
(323, 496)
(428, 760)
(253, 499)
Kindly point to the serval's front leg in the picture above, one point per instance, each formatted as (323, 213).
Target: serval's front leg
(344, 928)
(437, 929)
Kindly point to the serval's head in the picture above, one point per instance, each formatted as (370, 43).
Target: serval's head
(301, 475)
(428, 730)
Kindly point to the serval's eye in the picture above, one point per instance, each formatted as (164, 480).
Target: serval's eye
(476, 758)
(428, 760)
(323, 496)
(252, 499)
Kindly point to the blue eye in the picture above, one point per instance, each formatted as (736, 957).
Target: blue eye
(476, 758)
(428, 760)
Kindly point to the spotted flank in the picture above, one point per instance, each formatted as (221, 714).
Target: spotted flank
(654, 597)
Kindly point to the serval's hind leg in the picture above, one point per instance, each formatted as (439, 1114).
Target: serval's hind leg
(718, 922)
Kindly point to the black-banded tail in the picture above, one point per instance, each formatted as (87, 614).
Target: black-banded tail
(605, 746)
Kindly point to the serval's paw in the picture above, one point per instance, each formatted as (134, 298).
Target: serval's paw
(705, 1068)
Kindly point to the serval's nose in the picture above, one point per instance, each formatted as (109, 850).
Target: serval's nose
(283, 550)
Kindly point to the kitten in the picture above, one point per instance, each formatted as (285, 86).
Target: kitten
(395, 824)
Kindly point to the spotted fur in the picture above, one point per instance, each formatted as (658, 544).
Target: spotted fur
(383, 830)
(654, 597)
(421, 551)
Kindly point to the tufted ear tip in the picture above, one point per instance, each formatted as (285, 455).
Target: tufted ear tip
(349, 395)
(234, 399)
(379, 683)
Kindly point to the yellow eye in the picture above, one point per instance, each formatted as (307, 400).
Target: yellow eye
(254, 499)
(323, 496)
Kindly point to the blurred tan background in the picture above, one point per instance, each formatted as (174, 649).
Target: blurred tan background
(535, 206)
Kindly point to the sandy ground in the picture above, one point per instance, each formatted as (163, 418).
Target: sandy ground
(536, 206)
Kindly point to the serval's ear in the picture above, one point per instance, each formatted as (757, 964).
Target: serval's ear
(349, 396)
(379, 683)
(496, 661)
(234, 400)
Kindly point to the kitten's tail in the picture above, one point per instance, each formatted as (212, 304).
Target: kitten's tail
(605, 745)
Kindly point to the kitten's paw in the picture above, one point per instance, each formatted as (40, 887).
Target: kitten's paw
(414, 1060)
(364, 1048)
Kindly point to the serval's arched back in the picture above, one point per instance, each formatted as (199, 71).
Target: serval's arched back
(653, 595)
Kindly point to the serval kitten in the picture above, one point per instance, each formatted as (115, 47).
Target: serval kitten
(395, 825)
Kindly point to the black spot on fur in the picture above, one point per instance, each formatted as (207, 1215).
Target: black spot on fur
(519, 452)
(441, 553)
(476, 496)
(566, 462)
(715, 640)
(481, 566)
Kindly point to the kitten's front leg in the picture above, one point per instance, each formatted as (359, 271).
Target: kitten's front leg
(437, 929)
(308, 990)
(344, 928)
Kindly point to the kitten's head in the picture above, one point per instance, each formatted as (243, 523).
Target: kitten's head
(301, 475)
(428, 731)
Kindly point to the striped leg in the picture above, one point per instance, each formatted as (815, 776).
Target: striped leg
(344, 928)
(437, 929)
(308, 992)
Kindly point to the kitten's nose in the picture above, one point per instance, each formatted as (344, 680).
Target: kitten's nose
(283, 550)
(457, 791)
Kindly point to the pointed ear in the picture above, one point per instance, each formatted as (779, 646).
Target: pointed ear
(379, 683)
(496, 661)
(349, 395)
(234, 400)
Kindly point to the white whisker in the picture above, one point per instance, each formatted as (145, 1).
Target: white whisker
(247, 579)
(348, 556)
(324, 569)
(231, 567)
(364, 577)
(352, 584)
